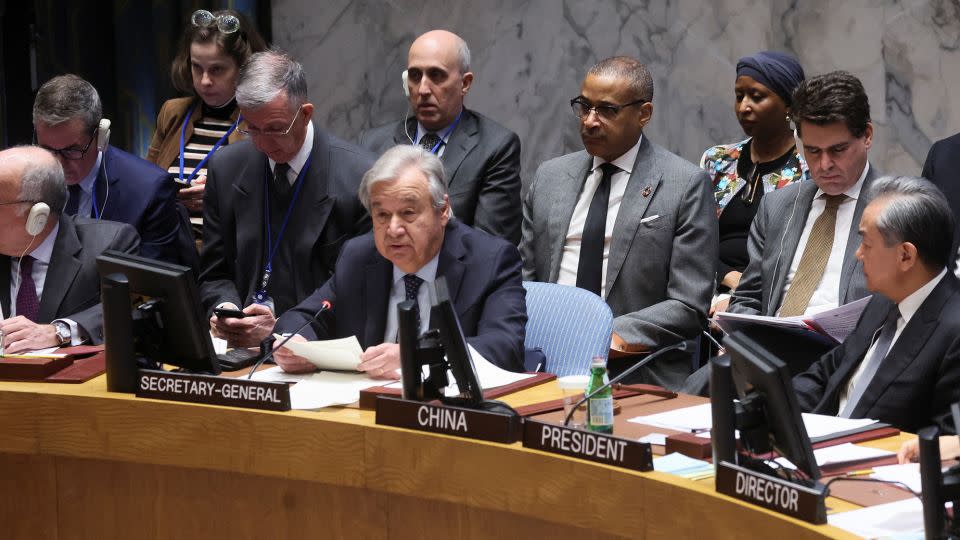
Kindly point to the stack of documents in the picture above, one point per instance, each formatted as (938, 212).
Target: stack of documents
(830, 326)
(884, 520)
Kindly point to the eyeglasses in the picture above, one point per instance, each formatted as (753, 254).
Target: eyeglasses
(245, 128)
(226, 23)
(71, 152)
(8, 203)
(581, 108)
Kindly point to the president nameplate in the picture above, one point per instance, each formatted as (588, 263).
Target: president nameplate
(212, 390)
(448, 420)
(588, 445)
(772, 493)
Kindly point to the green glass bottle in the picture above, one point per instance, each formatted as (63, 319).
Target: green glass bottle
(600, 406)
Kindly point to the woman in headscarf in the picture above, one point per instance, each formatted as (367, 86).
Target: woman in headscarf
(743, 172)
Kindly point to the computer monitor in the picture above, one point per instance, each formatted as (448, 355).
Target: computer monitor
(938, 487)
(162, 312)
(455, 346)
(767, 413)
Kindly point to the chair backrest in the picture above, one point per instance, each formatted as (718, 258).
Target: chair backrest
(570, 324)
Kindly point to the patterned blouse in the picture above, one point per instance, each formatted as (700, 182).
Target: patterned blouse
(721, 162)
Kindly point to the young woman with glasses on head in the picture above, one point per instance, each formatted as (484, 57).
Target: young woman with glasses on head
(212, 49)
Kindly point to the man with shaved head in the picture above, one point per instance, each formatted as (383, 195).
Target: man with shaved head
(481, 158)
(49, 286)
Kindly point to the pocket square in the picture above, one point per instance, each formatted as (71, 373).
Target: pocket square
(649, 219)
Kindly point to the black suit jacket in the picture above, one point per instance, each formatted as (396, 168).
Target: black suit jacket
(482, 162)
(71, 289)
(942, 167)
(134, 191)
(918, 380)
(327, 213)
(483, 276)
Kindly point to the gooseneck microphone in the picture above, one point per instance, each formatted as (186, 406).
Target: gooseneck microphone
(682, 346)
(324, 306)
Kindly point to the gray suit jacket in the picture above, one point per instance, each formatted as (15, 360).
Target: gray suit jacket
(780, 219)
(660, 272)
(71, 289)
(482, 162)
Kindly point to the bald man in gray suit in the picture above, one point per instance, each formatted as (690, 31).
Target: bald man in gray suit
(627, 220)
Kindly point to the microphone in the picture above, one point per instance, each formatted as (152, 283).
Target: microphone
(682, 346)
(324, 306)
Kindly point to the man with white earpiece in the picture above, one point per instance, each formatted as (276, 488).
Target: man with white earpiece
(49, 285)
(104, 182)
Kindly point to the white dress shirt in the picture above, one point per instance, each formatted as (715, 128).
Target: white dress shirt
(827, 294)
(570, 257)
(398, 293)
(908, 307)
(298, 161)
(85, 207)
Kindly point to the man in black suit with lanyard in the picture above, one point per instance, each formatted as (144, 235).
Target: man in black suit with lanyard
(277, 207)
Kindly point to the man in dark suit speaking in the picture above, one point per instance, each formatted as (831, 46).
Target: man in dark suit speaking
(277, 207)
(415, 239)
(49, 285)
(902, 363)
(481, 157)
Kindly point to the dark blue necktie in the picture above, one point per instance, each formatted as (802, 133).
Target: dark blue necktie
(411, 283)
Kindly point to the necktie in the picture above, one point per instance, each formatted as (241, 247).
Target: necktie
(73, 199)
(281, 180)
(813, 262)
(428, 141)
(887, 331)
(28, 305)
(411, 283)
(590, 266)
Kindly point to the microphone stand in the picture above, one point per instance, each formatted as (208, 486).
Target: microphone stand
(682, 346)
(324, 307)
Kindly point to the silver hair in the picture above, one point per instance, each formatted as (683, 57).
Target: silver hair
(265, 75)
(42, 180)
(396, 160)
(463, 53)
(916, 212)
(624, 67)
(64, 98)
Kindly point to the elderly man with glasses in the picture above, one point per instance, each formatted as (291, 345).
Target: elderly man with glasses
(278, 206)
(628, 221)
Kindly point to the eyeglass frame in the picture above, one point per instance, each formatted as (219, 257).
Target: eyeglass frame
(62, 151)
(615, 109)
(215, 20)
(272, 134)
(9, 203)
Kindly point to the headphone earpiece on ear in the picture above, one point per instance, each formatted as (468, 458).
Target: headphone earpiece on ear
(103, 134)
(37, 218)
(406, 88)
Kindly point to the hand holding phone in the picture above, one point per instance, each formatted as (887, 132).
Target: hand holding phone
(226, 313)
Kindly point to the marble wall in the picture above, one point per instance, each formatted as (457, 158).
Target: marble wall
(529, 57)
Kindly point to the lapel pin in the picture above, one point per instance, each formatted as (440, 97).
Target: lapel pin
(646, 191)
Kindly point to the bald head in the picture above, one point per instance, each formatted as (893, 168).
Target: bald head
(438, 78)
(30, 173)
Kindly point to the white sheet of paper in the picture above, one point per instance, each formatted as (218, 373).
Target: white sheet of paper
(488, 375)
(654, 438)
(331, 354)
(839, 322)
(690, 419)
(326, 388)
(906, 473)
(277, 374)
(819, 425)
(841, 453)
(883, 520)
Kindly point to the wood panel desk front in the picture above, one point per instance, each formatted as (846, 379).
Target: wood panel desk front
(79, 462)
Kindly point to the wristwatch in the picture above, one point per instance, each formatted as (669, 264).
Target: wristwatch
(63, 333)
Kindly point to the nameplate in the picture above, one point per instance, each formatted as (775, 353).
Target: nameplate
(194, 388)
(775, 494)
(448, 420)
(588, 445)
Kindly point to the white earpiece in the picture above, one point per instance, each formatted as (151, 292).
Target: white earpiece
(37, 218)
(103, 134)
(405, 77)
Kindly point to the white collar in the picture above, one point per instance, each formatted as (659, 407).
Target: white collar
(444, 132)
(909, 305)
(624, 162)
(854, 191)
(427, 272)
(297, 162)
(87, 183)
(44, 251)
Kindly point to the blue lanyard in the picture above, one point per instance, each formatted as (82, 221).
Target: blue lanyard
(446, 133)
(274, 245)
(183, 134)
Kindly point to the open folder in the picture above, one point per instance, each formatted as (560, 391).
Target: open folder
(830, 327)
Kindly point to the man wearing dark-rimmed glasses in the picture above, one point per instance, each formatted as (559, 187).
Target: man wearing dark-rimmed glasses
(277, 206)
(628, 221)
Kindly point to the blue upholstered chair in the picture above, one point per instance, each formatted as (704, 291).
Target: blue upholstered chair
(569, 324)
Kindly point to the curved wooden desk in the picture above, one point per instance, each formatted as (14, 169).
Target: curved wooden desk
(78, 462)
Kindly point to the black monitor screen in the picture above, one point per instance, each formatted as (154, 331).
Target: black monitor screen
(182, 338)
(761, 378)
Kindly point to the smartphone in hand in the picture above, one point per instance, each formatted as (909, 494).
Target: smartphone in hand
(224, 313)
